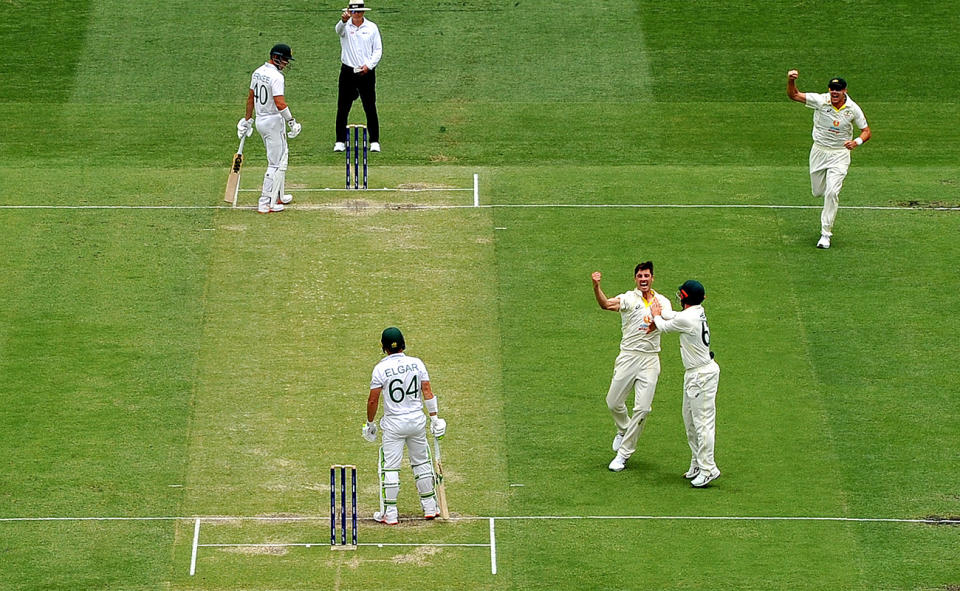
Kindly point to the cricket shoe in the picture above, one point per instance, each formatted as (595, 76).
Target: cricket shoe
(388, 517)
(705, 478)
(824, 242)
(339, 147)
(430, 508)
(374, 146)
(617, 440)
(618, 463)
(286, 198)
(692, 473)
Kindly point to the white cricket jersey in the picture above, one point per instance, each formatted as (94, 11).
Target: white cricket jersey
(832, 127)
(635, 317)
(266, 83)
(359, 46)
(691, 323)
(401, 379)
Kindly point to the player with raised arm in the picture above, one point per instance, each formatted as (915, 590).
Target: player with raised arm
(700, 379)
(273, 115)
(637, 366)
(834, 117)
(402, 383)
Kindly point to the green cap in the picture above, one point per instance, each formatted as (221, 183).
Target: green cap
(392, 339)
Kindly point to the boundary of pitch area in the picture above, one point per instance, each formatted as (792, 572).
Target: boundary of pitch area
(492, 544)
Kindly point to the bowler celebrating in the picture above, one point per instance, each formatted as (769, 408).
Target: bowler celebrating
(834, 115)
(638, 364)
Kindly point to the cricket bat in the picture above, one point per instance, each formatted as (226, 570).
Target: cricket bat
(441, 489)
(233, 180)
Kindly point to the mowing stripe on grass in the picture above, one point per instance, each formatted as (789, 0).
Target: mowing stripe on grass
(929, 520)
(411, 206)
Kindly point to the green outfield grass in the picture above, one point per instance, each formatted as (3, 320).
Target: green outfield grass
(165, 357)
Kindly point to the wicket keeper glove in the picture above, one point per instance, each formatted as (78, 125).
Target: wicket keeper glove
(244, 128)
(438, 427)
(369, 431)
(294, 129)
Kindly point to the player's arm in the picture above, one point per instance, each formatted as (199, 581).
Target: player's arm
(864, 136)
(281, 102)
(675, 324)
(792, 92)
(373, 403)
(428, 395)
(249, 104)
(612, 304)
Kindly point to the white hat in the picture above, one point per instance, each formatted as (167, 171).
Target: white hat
(358, 6)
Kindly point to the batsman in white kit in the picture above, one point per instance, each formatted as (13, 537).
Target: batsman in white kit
(402, 382)
(273, 117)
(700, 379)
(638, 365)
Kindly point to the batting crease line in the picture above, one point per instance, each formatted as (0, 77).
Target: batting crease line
(321, 545)
(214, 518)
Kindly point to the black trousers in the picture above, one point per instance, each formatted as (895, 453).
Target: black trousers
(350, 87)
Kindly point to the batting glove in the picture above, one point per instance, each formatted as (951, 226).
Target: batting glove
(438, 427)
(294, 129)
(369, 431)
(244, 128)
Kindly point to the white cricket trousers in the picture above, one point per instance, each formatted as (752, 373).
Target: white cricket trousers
(828, 168)
(272, 129)
(700, 413)
(400, 431)
(639, 372)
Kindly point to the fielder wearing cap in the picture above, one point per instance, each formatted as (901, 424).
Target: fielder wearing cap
(638, 365)
(834, 117)
(273, 116)
(700, 379)
(403, 384)
(360, 52)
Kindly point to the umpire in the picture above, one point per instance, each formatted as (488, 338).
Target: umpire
(360, 52)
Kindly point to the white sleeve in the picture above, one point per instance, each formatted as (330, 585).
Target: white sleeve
(422, 370)
(340, 28)
(860, 120)
(623, 301)
(375, 380)
(666, 308)
(276, 85)
(815, 100)
(377, 51)
(679, 323)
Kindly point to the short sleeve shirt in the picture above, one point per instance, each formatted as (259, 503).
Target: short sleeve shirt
(635, 317)
(691, 323)
(401, 379)
(266, 83)
(832, 127)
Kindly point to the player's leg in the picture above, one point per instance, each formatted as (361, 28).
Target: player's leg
(701, 389)
(422, 466)
(687, 412)
(833, 182)
(391, 455)
(645, 385)
(620, 386)
(271, 129)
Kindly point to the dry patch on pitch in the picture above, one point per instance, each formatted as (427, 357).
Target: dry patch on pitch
(234, 228)
(927, 204)
(419, 556)
(423, 186)
(953, 520)
(257, 550)
(358, 207)
(442, 158)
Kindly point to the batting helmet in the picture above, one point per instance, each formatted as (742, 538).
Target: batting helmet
(691, 293)
(392, 339)
(282, 50)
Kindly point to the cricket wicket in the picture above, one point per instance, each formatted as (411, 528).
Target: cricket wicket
(356, 155)
(342, 468)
